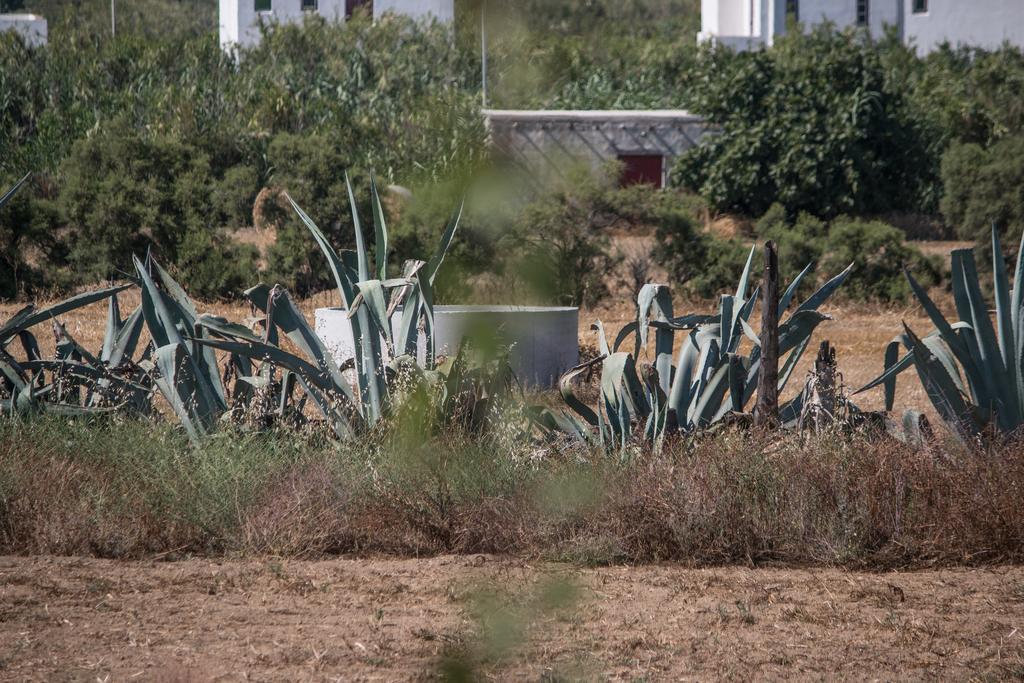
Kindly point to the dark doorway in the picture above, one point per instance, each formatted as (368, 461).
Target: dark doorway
(641, 169)
(352, 6)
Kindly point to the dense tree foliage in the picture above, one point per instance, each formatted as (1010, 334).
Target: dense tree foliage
(156, 139)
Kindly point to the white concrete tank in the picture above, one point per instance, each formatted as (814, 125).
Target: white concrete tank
(544, 339)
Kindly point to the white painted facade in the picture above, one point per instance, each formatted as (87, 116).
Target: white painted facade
(978, 23)
(31, 27)
(746, 24)
(240, 20)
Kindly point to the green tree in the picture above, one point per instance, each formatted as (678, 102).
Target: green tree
(812, 124)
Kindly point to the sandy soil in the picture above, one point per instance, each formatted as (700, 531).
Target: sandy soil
(198, 620)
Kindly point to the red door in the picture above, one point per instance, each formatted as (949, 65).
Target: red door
(641, 169)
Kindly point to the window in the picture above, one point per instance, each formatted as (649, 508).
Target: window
(862, 12)
(308, 5)
(263, 6)
(920, 6)
(352, 6)
(641, 169)
(792, 10)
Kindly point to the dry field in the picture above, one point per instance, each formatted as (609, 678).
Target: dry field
(199, 620)
(481, 616)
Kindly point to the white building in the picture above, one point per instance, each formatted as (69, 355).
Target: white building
(31, 27)
(745, 24)
(240, 19)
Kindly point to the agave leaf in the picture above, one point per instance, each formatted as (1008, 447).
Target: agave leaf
(28, 316)
(1004, 321)
(11, 192)
(442, 248)
(272, 354)
(741, 288)
(180, 381)
(710, 397)
(659, 299)
(630, 328)
(982, 343)
(622, 391)
(222, 327)
(948, 333)
(602, 340)
(825, 291)
(162, 319)
(680, 393)
(380, 231)
(361, 253)
(941, 389)
(408, 330)
(114, 324)
(344, 278)
(683, 322)
(84, 371)
(371, 293)
(787, 296)
(569, 396)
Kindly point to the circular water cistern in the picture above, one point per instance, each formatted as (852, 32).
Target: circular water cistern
(544, 339)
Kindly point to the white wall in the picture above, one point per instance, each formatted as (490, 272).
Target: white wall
(443, 10)
(32, 27)
(239, 20)
(979, 23)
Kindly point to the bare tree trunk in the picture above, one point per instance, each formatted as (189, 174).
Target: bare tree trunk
(766, 411)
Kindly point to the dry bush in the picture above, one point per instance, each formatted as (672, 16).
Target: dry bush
(860, 500)
(304, 513)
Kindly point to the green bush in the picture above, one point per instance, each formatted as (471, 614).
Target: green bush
(879, 254)
(28, 228)
(561, 253)
(235, 194)
(124, 193)
(813, 123)
(878, 250)
(214, 266)
(311, 170)
(984, 186)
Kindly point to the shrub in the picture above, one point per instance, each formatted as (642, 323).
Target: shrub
(880, 254)
(235, 195)
(812, 123)
(124, 193)
(28, 230)
(214, 266)
(984, 186)
(309, 169)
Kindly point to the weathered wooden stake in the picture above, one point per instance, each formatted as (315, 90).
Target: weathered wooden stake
(766, 411)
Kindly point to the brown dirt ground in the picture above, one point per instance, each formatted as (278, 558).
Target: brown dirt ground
(198, 620)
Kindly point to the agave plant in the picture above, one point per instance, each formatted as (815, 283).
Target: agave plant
(259, 378)
(710, 378)
(972, 371)
(382, 354)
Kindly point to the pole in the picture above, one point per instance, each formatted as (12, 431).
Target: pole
(113, 23)
(483, 53)
(766, 412)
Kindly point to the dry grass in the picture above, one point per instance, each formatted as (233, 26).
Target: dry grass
(861, 500)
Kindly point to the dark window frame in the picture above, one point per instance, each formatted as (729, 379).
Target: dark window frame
(308, 5)
(919, 7)
(863, 12)
(263, 5)
(793, 9)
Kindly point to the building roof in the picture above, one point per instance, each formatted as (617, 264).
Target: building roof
(19, 16)
(591, 115)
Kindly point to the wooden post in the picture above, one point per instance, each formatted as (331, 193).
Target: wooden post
(766, 411)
